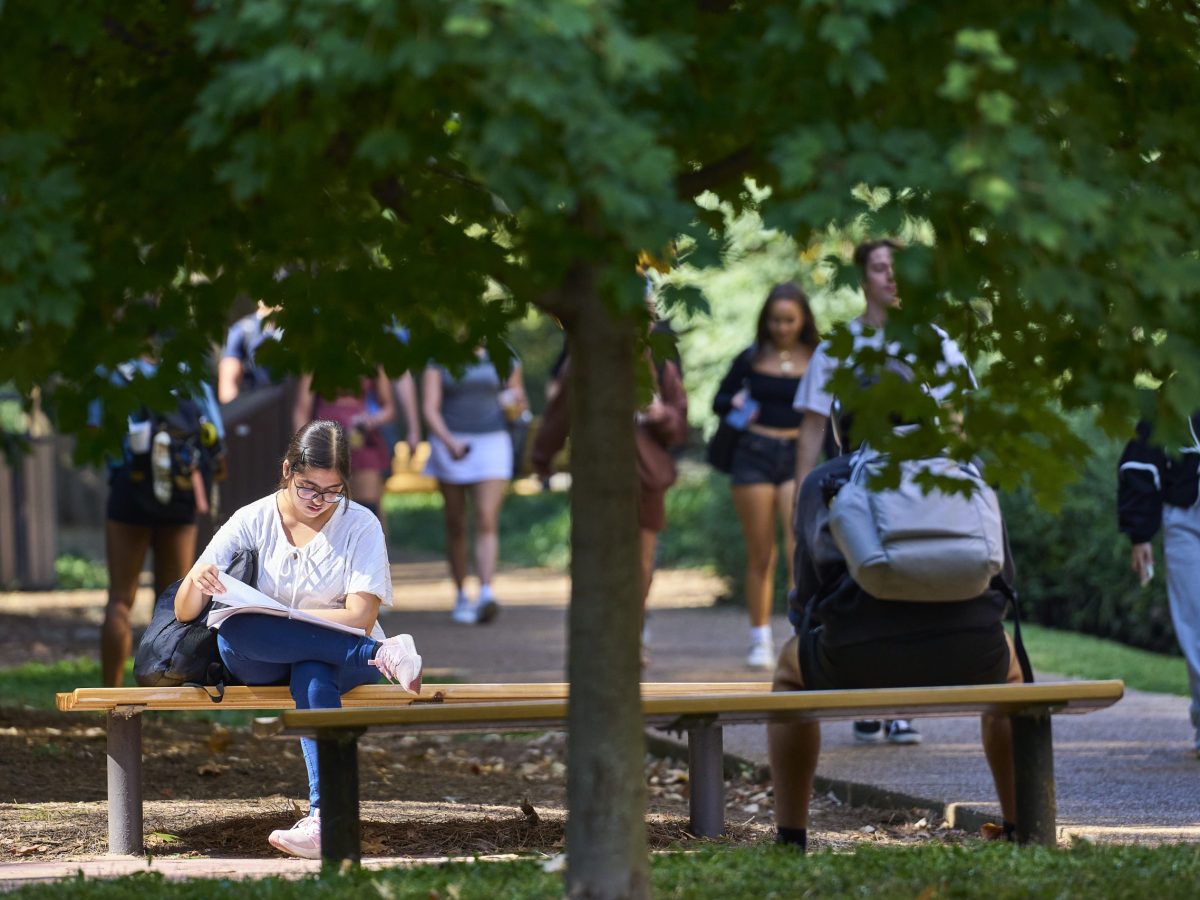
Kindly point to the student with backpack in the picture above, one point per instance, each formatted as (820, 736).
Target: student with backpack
(848, 639)
(158, 487)
(320, 552)
(816, 402)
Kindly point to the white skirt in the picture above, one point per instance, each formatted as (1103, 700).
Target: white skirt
(490, 458)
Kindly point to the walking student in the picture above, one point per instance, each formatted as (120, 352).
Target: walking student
(659, 428)
(157, 490)
(321, 552)
(761, 384)
(1156, 489)
(471, 456)
(815, 401)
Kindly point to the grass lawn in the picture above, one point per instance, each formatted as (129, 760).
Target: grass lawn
(988, 872)
(1084, 656)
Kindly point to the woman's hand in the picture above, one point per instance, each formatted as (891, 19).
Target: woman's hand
(739, 399)
(206, 577)
(1141, 560)
(457, 449)
(203, 578)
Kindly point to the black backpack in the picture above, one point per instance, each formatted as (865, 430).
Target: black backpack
(173, 653)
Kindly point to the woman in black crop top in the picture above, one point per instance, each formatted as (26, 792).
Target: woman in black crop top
(762, 383)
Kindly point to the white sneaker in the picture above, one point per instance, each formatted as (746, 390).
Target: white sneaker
(397, 659)
(486, 611)
(303, 839)
(761, 655)
(465, 612)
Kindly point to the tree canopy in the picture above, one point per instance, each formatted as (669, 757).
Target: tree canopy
(408, 158)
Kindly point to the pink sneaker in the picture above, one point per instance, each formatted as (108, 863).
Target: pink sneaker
(398, 660)
(303, 839)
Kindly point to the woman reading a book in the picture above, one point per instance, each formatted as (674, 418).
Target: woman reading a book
(322, 564)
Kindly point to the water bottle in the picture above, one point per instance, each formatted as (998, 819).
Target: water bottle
(160, 467)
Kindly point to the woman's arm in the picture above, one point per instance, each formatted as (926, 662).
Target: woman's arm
(555, 425)
(516, 384)
(431, 406)
(361, 612)
(302, 410)
(731, 385)
(406, 393)
(202, 579)
(387, 401)
(667, 416)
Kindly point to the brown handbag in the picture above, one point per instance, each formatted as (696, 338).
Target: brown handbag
(655, 465)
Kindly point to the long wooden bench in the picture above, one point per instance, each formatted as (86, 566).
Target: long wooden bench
(123, 708)
(701, 715)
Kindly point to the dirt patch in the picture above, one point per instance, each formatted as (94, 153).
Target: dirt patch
(214, 790)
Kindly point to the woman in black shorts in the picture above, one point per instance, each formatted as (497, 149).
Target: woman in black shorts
(157, 487)
(762, 383)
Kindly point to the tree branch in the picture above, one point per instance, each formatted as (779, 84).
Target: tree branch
(127, 37)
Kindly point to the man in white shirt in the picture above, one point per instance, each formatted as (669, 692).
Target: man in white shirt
(814, 400)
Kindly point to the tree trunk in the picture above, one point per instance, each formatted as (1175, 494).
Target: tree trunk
(606, 825)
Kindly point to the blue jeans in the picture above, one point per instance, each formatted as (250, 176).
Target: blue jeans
(317, 664)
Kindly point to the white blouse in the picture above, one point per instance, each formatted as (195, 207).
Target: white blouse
(347, 556)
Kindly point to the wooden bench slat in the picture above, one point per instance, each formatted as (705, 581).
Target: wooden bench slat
(732, 707)
(372, 695)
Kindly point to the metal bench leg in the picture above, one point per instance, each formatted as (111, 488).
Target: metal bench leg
(1033, 758)
(707, 778)
(125, 782)
(337, 767)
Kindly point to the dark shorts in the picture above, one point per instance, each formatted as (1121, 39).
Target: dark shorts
(958, 658)
(759, 459)
(131, 501)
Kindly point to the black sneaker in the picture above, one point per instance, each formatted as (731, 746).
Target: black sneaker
(900, 732)
(869, 731)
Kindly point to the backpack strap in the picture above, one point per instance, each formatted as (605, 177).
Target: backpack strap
(1000, 584)
(214, 682)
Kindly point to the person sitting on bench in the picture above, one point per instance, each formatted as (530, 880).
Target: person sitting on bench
(321, 552)
(847, 639)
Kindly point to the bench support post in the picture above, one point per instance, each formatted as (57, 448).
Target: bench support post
(707, 778)
(337, 767)
(125, 782)
(1033, 759)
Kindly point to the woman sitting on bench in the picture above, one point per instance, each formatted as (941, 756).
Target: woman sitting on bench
(320, 552)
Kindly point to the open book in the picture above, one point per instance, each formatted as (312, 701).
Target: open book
(239, 597)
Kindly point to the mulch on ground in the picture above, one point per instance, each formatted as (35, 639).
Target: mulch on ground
(213, 790)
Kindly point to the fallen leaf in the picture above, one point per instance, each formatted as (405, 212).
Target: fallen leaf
(921, 823)
(211, 768)
(867, 829)
(373, 846)
(990, 831)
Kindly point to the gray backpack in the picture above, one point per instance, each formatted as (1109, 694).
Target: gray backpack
(906, 544)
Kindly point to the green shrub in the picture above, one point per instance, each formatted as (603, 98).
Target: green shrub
(78, 573)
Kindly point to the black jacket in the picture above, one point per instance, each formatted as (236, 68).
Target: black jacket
(1148, 477)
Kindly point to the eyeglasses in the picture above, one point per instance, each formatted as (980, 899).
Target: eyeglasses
(307, 493)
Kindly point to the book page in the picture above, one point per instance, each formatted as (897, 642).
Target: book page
(239, 597)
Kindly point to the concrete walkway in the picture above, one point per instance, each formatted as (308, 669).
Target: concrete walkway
(1124, 774)
(1127, 773)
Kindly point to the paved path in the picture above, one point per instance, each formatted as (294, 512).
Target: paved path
(1127, 773)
